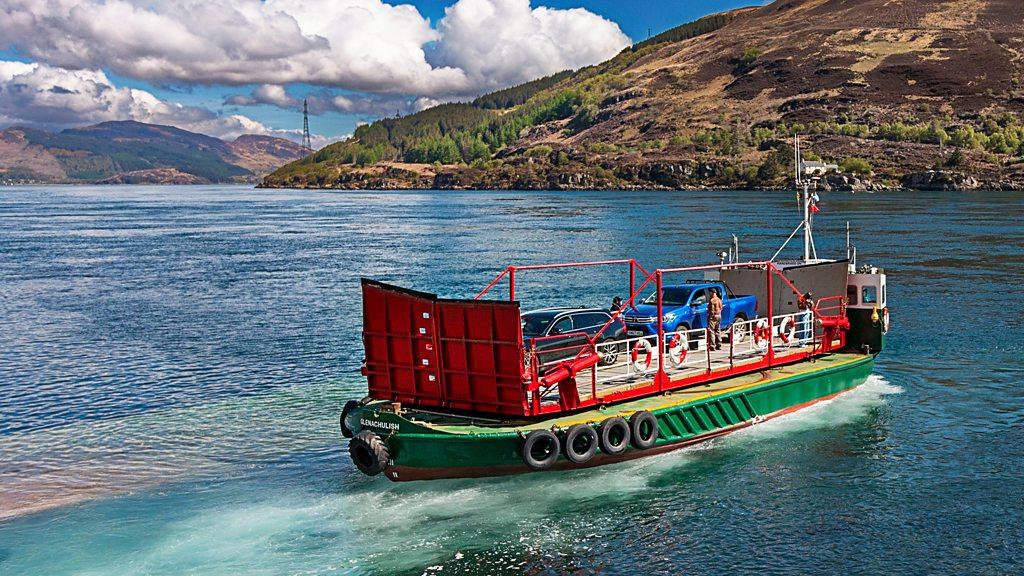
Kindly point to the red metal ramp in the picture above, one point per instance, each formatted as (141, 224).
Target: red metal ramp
(431, 352)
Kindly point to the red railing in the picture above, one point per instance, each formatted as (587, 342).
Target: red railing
(470, 356)
(540, 381)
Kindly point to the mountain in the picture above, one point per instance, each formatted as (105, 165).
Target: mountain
(129, 151)
(911, 93)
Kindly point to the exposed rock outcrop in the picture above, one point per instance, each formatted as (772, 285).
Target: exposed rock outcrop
(940, 180)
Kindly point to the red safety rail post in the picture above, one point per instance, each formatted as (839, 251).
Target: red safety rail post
(660, 377)
(633, 274)
(512, 283)
(534, 377)
(769, 272)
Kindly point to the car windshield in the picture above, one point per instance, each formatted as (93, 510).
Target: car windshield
(670, 296)
(536, 324)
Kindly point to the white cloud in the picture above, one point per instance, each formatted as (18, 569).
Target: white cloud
(49, 97)
(498, 43)
(361, 45)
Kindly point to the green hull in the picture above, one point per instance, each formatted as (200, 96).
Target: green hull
(423, 446)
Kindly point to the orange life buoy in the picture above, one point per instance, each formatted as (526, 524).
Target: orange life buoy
(642, 365)
(787, 329)
(762, 333)
(677, 348)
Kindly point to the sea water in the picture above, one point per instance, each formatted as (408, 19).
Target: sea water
(173, 361)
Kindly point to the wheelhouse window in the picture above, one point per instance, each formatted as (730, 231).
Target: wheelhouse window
(869, 295)
(851, 295)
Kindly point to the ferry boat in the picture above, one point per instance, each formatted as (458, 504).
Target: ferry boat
(457, 389)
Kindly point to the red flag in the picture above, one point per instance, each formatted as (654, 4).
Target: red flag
(815, 209)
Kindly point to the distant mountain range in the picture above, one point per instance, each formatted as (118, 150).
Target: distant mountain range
(899, 93)
(134, 152)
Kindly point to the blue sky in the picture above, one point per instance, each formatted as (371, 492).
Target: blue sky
(355, 59)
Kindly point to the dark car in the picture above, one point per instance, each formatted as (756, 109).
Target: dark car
(560, 333)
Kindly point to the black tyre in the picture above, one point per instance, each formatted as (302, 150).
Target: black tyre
(349, 407)
(580, 443)
(614, 435)
(644, 428)
(369, 453)
(540, 449)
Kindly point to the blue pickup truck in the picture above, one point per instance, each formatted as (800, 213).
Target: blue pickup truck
(685, 307)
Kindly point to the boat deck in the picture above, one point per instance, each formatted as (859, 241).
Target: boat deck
(622, 376)
(466, 424)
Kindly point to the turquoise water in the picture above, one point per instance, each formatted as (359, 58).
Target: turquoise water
(172, 362)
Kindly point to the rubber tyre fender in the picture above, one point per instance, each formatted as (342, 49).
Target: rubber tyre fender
(349, 407)
(605, 438)
(637, 423)
(576, 433)
(369, 452)
(540, 449)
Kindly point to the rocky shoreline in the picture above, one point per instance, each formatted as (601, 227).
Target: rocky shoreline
(651, 176)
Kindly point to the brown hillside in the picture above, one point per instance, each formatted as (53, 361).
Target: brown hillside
(897, 87)
(872, 61)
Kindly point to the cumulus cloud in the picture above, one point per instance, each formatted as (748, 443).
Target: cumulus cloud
(265, 94)
(361, 45)
(50, 97)
(497, 43)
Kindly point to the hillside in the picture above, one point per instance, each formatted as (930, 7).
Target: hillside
(130, 151)
(889, 89)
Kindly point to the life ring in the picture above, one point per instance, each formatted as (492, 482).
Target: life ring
(643, 426)
(885, 320)
(369, 453)
(642, 365)
(580, 443)
(762, 334)
(787, 329)
(614, 435)
(540, 449)
(677, 349)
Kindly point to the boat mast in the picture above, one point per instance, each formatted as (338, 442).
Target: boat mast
(805, 200)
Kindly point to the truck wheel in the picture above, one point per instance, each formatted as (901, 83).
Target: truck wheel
(739, 329)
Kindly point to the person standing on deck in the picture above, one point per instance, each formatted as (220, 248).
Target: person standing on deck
(806, 306)
(715, 321)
